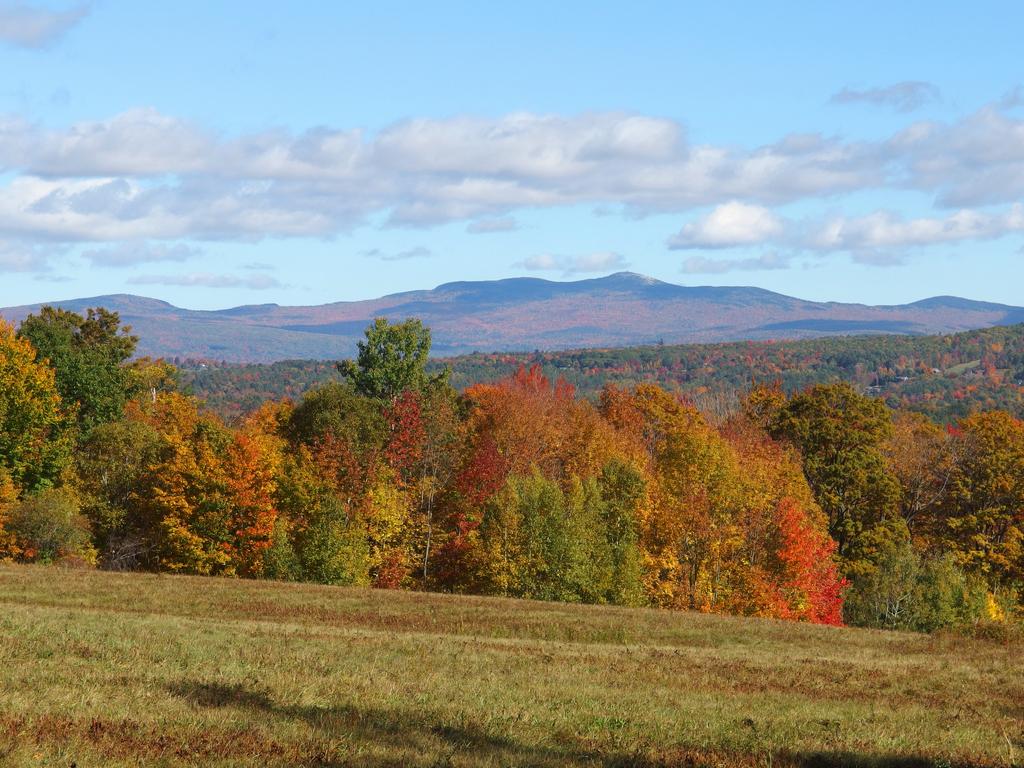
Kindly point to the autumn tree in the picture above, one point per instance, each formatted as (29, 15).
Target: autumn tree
(35, 427)
(252, 467)
(921, 457)
(9, 548)
(694, 497)
(809, 582)
(187, 513)
(984, 508)
(425, 448)
(784, 566)
(47, 527)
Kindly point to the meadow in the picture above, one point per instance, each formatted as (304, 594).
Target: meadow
(100, 668)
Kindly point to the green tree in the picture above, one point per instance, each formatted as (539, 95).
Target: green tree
(590, 564)
(115, 464)
(281, 562)
(88, 356)
(391, 360)
(337, 409)
(841, 434)
(908, 592)
(333, 549)
(539, 542)
(622, 488)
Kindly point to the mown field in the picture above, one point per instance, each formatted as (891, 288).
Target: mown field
(128, 669)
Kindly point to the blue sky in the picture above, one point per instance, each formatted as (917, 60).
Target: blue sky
(215, 154)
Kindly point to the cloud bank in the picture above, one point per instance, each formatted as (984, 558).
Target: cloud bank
(146, 177)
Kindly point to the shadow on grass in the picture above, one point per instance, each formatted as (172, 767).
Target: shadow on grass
(418, 735)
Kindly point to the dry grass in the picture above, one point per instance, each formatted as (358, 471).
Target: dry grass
(112, 669)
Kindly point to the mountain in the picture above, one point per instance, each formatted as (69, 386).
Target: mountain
(525, 314)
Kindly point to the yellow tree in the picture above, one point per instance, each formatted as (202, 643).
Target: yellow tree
(189, 506)
(8, 495)
(35, 429)
(984, 510)
(694, 494)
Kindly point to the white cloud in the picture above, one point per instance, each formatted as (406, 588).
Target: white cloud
(168, 176)
(879, 238)
(885, 230)
(903, 97)
(131, 253)
(697, 265)
(145, 176)
(729, 225)
(540, 262)
(975, 161)
(601, 261)
(30, 26)
(208, 280)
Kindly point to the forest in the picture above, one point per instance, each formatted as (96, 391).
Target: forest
(820, 504)
(945, 377)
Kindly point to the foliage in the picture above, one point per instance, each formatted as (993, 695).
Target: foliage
(908, 592)
(945, 377)
(48, 527)
(984, 508)
(840, 433)
(391, 360)
(333, 547)
(114, 466)
(336, 409)
(87, 356)
(35, 434)
(788, 505)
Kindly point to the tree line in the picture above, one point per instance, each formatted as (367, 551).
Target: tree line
(946, 377)
(822, 505)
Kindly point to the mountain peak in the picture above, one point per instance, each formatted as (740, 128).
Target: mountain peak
(633, 278)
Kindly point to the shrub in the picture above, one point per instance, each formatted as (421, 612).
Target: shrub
(907, 592)
(333, 549)
(49, 527)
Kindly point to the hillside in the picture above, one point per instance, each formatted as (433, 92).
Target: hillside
(130, 669)
(944, 376)
(527, 314)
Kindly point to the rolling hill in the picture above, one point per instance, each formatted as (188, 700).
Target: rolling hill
(526, 314)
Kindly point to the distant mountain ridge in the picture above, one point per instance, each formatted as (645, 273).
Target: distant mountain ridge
(526, 313)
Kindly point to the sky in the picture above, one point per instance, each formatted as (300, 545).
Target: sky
(218, 154)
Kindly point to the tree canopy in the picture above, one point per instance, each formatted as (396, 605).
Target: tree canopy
(391, 359)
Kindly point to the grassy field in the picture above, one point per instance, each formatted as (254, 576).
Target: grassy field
(111, 669)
